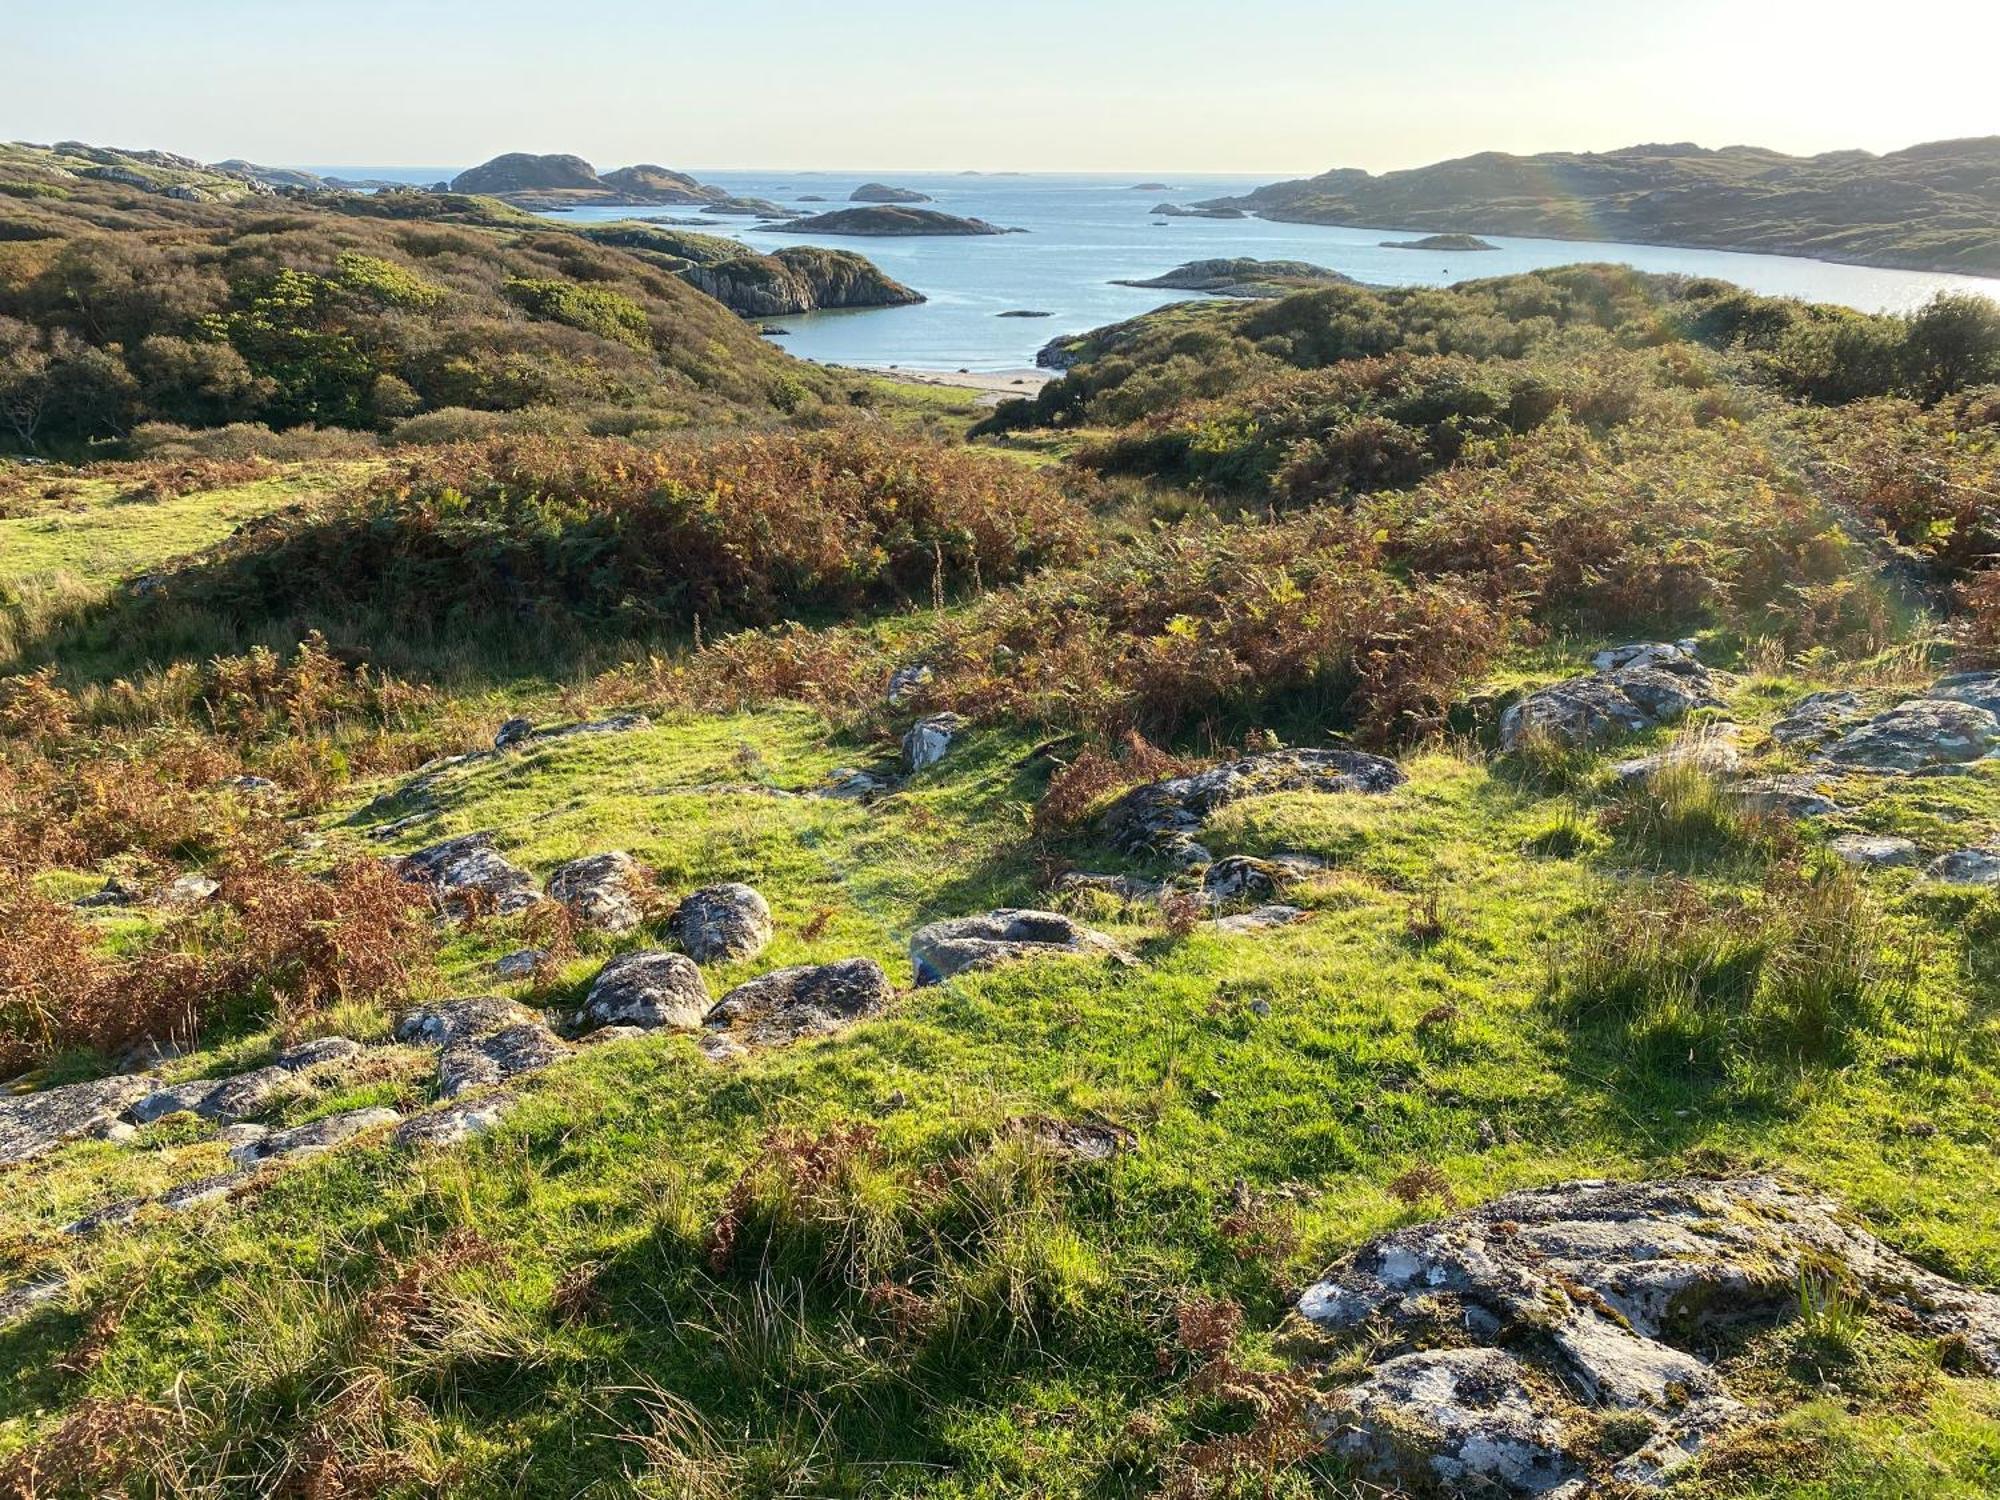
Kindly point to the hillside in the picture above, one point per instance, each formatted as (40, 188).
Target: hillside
(1932, 207)
(414, 315)
(1382, 892)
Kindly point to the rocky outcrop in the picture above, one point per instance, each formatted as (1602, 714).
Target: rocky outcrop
(470, 877)
(31, 1124)
(521, 171)
(312, 1139)
(479, 1062)
(602, 890)
(722, 922)
(801, 279)
(452, 1021)
(1873, 851)
(1570, 1301)
(929, 739)
(943, 949)
(1257, 919)
(1916, 736)
(1966, 867)
(814, 1000)
(250, 1093)
(650, 989)
(1245, 877)
(1636, 687)
(453, 1125)
(1815, 719)
(1164, 817)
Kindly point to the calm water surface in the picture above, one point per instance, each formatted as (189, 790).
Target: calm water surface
(1086, 230)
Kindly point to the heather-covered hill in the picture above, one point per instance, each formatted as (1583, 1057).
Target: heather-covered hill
(1933, 207)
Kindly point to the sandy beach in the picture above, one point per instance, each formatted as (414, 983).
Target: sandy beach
(994, 386)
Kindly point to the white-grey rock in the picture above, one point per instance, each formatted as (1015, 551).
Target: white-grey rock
(943, 949)
(1127, 888)
(31, 1124)
(1817, 718)
(1164, 817)
(650, 989)
(1654, 685)
(811, 1000)
(478, 1062)
(451, 1021)
(190, 890)
(905, 681)
(1915, 736)
(846, 784)
(470, 877)
(1260, 919)
(453, 1125)
(929, 739)
(1790, 796)
(523, 963)
(173, 1099)
(310, 1139)
(602, 889)
(1966, 867)
(722, 922)
(1873, 850)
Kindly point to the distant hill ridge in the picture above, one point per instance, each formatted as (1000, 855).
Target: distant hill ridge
(1931, 207)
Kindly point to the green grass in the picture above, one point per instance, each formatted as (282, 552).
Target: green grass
(1315, 1064)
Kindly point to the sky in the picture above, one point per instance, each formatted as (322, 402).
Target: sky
(1257, 86)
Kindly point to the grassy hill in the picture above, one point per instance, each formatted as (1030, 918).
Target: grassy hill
(1934, 207)
(1039, 1228)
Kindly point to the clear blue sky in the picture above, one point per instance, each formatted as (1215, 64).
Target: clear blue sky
(1246, 85)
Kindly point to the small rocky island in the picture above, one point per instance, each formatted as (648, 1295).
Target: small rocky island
(1175, 211)
(1452, 242)
(797, 279)
(1243, 278)
(553, 182)
(881, 192)
(889, 220)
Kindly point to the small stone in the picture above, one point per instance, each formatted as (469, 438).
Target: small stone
(1127, 888)
(601, 889)
(929, 739)
(845, 784)
(722, 922)
(943, 949)
(1873, 850)
(452, 1126)
(523, 963)
(1795, 796)
(190, 890)
(1966, 867)
(1652, 683)
(514, 732)
(905, 681)
(313, 1138)
(649, 989)
(1260, 919)
(1164, 817)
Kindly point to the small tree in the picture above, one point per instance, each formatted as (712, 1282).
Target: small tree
(1953, 343)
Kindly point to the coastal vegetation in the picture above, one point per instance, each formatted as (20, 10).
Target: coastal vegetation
(1418, 747)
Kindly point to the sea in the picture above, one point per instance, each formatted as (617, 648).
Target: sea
(1084, 232)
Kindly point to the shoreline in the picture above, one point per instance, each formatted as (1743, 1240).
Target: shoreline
(993, 386)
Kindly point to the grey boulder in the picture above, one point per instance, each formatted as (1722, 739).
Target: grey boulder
(929, 739)
(313, 1138)
(943, 949)
(470, 877)
(1873, 851)
(450, 1021)
(1916, 736)
(811, 1000)
(722, 922)
(1966, 867)
(478, 1062)
(601, 889)
(650, 989)
(1651, 684)
(31, 1124)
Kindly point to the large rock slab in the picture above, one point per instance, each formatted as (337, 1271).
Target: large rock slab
(1643, 685)
(602, 889)
(313, 1138)
(943, 949)
(454, 1124)
(1597, 1291)
(31, 1124)
(1966, 867)
(1980, 689)
(479, 1062)
(650, 989)
(1817, 718)
(722, 922)
(451, 1021)
(245, 1094)
(811, 1000)
(1916, 736)
(470, 877)
(1165, 816)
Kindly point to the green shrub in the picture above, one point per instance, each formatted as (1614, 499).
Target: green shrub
(591, 309)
